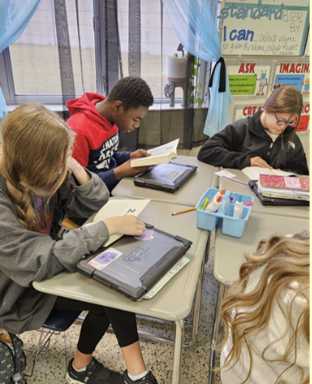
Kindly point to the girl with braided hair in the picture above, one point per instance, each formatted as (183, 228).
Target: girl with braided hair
(39, 179)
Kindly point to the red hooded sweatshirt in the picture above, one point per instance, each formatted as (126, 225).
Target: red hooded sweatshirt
(96, 140)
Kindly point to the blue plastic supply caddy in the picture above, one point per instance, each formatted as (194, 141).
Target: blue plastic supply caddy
(230, 225)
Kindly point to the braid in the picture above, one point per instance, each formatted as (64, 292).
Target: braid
(22, 203)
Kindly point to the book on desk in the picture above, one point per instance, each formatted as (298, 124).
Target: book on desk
(284, 187)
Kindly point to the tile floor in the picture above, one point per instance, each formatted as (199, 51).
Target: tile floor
(51, 368)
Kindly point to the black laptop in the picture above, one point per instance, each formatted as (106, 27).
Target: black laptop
(167, 177)
(133, 265)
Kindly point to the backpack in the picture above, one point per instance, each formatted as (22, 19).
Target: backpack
(11, 361)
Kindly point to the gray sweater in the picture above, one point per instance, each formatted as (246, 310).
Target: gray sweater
(27, 256)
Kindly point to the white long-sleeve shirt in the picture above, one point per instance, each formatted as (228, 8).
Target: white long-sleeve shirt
(266, 371)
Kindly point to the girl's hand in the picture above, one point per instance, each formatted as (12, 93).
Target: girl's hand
(125, 225)
(258, 162)
(78, 171)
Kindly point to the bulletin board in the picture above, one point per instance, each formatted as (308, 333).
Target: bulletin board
(296, 73)
(249, 78)
(243, 110)
(264, 27)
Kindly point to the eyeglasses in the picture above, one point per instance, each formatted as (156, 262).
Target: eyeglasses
(283, 122)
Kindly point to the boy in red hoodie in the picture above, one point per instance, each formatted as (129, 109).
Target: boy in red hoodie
(96, 120)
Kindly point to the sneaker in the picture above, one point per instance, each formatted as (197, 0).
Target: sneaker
(95, 373)
(148, 379)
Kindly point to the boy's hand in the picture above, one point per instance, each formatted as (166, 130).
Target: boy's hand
(125, 170)
(258, 162)
(125, 225)
(139, 153)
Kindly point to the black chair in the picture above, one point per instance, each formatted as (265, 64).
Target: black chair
(57, 322)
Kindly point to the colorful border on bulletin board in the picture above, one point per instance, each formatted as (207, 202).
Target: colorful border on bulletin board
(250, 77)
(267, 27)
(296, 73)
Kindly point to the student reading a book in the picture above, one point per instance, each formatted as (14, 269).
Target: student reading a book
(38, 178)
(266, 315)
(96, 120)
(267, 139)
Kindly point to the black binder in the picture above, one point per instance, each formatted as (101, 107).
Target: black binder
(275, 201)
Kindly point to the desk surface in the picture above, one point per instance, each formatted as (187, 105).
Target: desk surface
(303, 212)
(189, 194)
(174, 301)
(229, 250)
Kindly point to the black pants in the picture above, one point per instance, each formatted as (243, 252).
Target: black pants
(97, 321)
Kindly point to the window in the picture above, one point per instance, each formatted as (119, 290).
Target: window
(32, 64)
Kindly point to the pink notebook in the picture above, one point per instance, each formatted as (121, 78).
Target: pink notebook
(294, 183)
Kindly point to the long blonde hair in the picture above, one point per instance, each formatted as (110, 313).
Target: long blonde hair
(284, 260)
(34, 148)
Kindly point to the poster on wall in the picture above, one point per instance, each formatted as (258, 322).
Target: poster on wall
(249, 77)
(243, 110)
(296, 73)
(304, 122)
(264, 27)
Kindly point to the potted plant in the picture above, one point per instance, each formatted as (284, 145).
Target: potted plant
(176, 66)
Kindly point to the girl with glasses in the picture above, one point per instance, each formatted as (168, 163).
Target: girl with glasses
(267, 139)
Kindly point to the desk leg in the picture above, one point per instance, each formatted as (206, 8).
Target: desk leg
(222, 289)
(177, 352)
(196, 311)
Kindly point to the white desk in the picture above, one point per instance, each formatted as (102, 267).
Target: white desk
(303, 212)
(173, 302)
(229, 254)
(189, 194)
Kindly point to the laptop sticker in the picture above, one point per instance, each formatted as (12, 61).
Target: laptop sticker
(105, 258)
(146, 235)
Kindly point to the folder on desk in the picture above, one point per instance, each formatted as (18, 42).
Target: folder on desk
(167, 177)
(133, 265)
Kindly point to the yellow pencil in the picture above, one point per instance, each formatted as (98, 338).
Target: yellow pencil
(185, 210)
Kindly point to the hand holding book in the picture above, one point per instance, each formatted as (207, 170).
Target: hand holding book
(158, 155)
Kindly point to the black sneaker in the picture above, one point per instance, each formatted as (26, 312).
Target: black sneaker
(95, 373)
(147, 379)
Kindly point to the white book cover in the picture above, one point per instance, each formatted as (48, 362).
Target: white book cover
(159, 155)
(254, 172)
(119, 207)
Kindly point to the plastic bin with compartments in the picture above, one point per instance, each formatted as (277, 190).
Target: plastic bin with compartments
(230, 226)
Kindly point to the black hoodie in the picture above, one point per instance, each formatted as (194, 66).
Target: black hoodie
(238, 142)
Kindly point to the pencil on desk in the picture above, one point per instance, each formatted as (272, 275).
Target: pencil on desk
(185, 210)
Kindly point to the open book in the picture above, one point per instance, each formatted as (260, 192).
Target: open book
(119, 207)
(159, 155)
(254, 172)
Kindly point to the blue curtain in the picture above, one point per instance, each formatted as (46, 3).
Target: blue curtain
(195, 23)
(14, 16)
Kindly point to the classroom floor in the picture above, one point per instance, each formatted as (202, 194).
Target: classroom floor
(51, 369)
